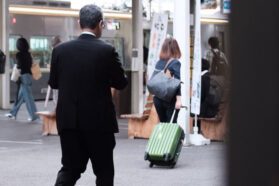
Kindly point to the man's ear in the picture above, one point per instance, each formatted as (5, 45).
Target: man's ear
(78, 22)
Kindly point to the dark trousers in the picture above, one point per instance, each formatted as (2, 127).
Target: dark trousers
(165, 110)
(78, 147)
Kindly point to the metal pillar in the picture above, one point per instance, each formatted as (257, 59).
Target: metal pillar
(137, 58)
(4, 78)
(181, 30)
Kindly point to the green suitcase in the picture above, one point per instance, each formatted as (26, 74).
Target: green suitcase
(164, 145)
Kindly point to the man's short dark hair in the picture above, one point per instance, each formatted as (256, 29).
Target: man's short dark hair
(90, 16)
(213, 42)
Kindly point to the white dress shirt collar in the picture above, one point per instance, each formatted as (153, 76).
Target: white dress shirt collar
(90, 33)
(204, 72)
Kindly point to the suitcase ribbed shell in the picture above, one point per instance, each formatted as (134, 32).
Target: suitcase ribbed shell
(163, 142)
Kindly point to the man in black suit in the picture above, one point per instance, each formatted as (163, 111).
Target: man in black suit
(84, 70)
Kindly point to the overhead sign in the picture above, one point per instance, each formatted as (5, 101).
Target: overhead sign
(226, 6)
(209, 4)
(213, 9)
(157, 37)
(196, 79)
(112, 25)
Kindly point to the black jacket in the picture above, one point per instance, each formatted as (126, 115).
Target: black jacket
(206, 110)
(24, 62)
(83, 71)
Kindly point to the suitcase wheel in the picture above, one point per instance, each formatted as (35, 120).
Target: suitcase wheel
(146, 156)
(172, 165)
(151, 165)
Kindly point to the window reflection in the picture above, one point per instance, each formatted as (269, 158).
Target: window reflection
(12, 49)
(41, 50)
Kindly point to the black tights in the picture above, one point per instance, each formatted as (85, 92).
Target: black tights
(165, 110)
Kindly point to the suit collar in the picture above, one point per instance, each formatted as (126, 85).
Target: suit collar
(86, 36)
(90, 33)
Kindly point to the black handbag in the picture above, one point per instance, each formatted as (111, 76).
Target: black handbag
(162, 86)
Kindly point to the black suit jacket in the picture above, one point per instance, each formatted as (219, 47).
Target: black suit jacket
(83, 71)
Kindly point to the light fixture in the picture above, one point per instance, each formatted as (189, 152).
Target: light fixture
(46, 11)
(29, 10)
(214, 21)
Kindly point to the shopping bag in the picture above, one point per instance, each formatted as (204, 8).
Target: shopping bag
(15, 73)
(36, 71)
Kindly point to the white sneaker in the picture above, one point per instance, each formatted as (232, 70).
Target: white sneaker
(30, 119)
(10, 116)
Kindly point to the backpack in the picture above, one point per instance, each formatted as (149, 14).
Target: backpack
(218, 65)
(215, 94)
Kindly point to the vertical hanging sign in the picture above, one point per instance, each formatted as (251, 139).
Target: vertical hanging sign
(157, 37)
(196, 78)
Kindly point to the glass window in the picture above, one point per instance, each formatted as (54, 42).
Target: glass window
(118, 43)
(12, 42)
(12, 48)
(39, 43)
(41, 50)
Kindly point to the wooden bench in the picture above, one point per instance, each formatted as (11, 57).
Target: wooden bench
(215, 128)
(49, 122)
(141, 125)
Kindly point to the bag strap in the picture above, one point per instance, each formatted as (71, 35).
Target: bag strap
(168, 63)
(216, 53)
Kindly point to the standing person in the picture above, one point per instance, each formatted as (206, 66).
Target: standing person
(206, 109)
(215, 55)
(169, 55)
(55, 42)
(24, 64)
(83, 71)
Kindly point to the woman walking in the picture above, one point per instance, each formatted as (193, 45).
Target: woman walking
(169, 55)
(24, 64)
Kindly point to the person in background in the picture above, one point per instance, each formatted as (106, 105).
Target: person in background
(24, 64)
(83, 71)
(206, 110)
(169, 55)
(55, 42)
(214, 50)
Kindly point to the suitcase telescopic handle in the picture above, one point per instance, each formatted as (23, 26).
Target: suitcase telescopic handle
(172, 117)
